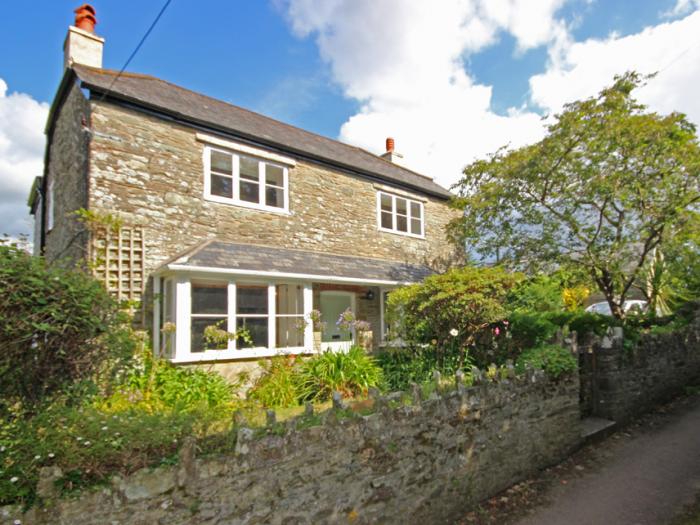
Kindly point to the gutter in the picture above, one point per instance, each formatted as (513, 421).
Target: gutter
(277, 275)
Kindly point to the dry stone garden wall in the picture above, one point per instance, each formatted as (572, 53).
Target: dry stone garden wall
(622, 380)
(426, 459)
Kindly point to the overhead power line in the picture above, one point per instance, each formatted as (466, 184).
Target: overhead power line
(136, 49)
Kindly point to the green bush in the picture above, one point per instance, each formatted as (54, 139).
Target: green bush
(57, 326)
(162, 386)
(553, 359)
(530, 329)
(88, 444)
(278, 385)
(287, 381)
(465, 301)
(153, 407)
(541, 293)
(402, 366)
(585, 323)
(351, 373)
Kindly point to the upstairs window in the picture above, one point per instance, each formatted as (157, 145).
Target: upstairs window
(243, 180)
(400, 215)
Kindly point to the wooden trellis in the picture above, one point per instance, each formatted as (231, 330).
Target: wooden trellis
(118, 261)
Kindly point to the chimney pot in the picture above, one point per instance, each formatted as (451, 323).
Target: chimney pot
(85, 18)
(82, 45)
(390, 154)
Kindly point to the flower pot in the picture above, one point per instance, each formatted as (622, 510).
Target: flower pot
(317, 341)
(365, 339)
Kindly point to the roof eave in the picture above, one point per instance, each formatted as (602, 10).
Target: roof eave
(184, 268)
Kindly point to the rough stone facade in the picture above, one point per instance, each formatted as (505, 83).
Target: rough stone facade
(150, 171)
(620, 382)
(426, 461)
(68, 159)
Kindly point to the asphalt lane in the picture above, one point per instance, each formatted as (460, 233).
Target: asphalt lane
(645, 481)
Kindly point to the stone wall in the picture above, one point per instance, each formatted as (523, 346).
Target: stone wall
(620, 381)
(423, 460)
(150, 171)
(68, 159)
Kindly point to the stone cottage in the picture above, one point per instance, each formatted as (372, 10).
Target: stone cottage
(211, 214)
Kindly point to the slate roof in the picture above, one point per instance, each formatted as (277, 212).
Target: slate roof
(233, 256)
(156, 94)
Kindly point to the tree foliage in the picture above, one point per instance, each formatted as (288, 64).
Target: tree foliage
(608, 185)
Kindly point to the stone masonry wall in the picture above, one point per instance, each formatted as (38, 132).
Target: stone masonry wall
(67, 167)
(150, 171)
(426, 461)
(627, 381)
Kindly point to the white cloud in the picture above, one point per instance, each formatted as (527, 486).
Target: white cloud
(404, 61)
(22, 122)
(581, 69)
(683, 7)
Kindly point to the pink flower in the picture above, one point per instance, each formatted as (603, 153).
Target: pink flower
(505, 323)
(496, 330)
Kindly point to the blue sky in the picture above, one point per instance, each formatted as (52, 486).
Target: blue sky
(451, 81)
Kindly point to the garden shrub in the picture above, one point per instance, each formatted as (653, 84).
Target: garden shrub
(402, 366)
(278, 385)
(57, 326)
(464, 302)
(531, 329)
(541, 293)
(288, 381)
(351, 373)
(142, 423)
(553, 359)
(585, 323)
(155, 385)
(89, 445)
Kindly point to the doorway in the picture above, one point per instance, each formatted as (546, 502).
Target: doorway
(332, 304)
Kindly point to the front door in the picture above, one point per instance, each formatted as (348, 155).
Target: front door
(334, 303)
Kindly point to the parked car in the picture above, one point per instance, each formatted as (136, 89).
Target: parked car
(635, 306)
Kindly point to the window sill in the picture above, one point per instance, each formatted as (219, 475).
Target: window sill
(402, 234)
(236, 355)
(244, 204)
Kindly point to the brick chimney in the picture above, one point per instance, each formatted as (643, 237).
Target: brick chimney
(390, 154)
(82, 45)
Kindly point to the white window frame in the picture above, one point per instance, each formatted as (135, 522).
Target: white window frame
(300, 316)
(271, 307)
(235, 200)
(226, 316)
(183, 314)
(50, 206)
(409, 217)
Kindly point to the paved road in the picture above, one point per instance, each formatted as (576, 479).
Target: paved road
(646, 480)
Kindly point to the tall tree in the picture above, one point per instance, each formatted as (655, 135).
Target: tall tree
(609, 185)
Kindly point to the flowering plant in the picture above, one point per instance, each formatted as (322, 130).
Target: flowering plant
(314, 318)
(362, 326)
(346, 320)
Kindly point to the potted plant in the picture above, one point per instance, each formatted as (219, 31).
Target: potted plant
(318, 324)
(364, 334)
